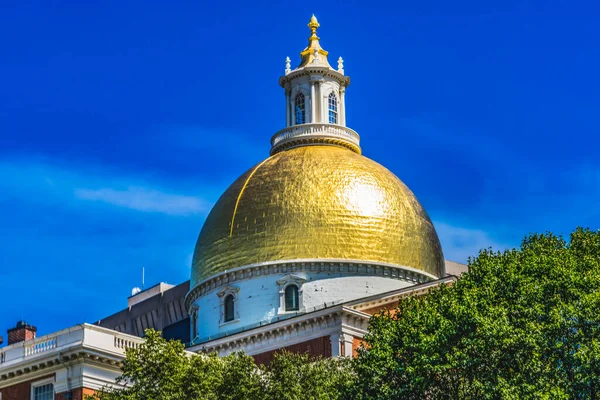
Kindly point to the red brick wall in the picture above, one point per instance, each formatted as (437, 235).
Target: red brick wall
(315, 347)
(378, 309)
(76, 394)
(19, 335)
(20, 391)
(356, 342)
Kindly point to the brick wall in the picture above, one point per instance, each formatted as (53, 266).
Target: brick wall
(356, 342)
(76, 394)
(315, 347)
(20, 391)
(19, 335)
(378, 309)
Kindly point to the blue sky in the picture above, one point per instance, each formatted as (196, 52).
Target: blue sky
(122, 122)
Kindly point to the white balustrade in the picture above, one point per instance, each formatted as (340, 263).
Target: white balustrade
(83, 336)
(316, 130)
(40, 347)
(125, 343)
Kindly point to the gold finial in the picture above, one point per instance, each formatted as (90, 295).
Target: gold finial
(313, 54)
(313, 25)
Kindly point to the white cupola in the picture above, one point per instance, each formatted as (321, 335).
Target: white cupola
(315, 101)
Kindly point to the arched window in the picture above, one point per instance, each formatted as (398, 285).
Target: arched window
(300, 110)
(292, 302)
(333, 108)
(228, 305)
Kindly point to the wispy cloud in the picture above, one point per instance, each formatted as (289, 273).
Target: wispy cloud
(460, 243)
(49, 182)
(145, 200)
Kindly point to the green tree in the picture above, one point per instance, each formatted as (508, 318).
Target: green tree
(523, 324)
(160, 369)
(296, 376)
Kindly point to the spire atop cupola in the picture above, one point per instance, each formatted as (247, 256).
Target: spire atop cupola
(315, 101)
(314, 54)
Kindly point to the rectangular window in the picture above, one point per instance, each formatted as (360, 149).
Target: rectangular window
(332, 117)
(43, 392)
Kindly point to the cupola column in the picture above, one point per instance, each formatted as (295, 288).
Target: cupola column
(342, 106)
(313, 105)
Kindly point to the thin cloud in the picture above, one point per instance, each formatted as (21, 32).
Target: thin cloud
(145, 200)
(460, 243)
(50, 183)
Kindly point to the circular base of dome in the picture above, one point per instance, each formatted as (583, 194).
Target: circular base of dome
(347, 267)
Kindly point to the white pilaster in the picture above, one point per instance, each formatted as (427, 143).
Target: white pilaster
(319, 102)
(346, 342)
(313, 103)
(342, 106)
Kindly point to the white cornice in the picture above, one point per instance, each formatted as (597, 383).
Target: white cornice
(290, 331)
(82, 343)
(312, 70)
(395, 295)
(300, 329)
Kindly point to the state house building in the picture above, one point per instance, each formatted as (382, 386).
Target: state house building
(297, 253)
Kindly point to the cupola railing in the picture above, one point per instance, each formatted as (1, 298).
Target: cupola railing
(328, 134)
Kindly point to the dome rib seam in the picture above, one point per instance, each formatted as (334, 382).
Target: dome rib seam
(237, 202)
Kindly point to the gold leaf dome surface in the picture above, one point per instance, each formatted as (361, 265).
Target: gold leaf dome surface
(317, 202)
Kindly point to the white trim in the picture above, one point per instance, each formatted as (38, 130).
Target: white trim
(39, 383)
(338, 320)
(335, 344)
(81, 343)
(233, 321)
(382, 299)
(223, 294)
(276, 335)
(283, 284)
(346, 341)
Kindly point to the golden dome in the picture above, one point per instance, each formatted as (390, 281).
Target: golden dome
(317, 202)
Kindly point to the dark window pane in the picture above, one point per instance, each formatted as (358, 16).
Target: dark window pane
(291, 298)
(300, 109)
(45, 392)
(332, 103)
(229, 308)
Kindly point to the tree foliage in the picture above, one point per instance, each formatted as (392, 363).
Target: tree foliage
(520, 324)
(160, 369)
(523, 324)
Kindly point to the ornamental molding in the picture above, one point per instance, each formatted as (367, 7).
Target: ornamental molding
(277, 335)
(283, 283)
(334, 322)
(286, 280)
(233, 290)
(315, 133)
(395, 296)
(349, 267)
(309, 71)
(314, 141)
(57, 362)
(224, 292)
